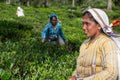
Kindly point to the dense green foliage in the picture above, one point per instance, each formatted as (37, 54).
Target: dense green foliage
(24, 57)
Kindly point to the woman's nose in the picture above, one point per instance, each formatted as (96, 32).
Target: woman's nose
(84, 26)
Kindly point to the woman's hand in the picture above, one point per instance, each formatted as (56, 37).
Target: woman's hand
(43, 40)
(72, 78)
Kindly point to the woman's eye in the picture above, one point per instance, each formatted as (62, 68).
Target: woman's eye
(86, 23)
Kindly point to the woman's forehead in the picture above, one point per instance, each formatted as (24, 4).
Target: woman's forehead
(54, 18)
(86, 18)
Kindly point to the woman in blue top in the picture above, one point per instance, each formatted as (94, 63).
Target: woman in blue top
(53, 31)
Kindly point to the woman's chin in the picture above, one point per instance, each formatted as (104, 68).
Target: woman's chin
(86, 34)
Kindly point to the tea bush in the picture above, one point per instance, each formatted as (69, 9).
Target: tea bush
(24, 57)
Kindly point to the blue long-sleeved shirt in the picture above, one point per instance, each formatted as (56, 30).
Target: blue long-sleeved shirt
(50, 31)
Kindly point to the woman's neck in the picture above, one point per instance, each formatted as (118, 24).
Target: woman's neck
(54, 27)
(95, 36)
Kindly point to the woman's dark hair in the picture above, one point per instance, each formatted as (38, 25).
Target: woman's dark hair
(90, 16)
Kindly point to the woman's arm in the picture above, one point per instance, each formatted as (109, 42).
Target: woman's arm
(62, 34)
(44, 33)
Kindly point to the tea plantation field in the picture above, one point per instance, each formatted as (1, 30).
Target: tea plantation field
(24, 57)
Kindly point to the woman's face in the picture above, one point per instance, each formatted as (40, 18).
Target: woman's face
(90, 28)
(53, 21)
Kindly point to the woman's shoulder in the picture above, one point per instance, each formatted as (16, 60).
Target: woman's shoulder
(101, 39)
(58, 24)
(48, 25)
(85, 41)
(105, 38)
